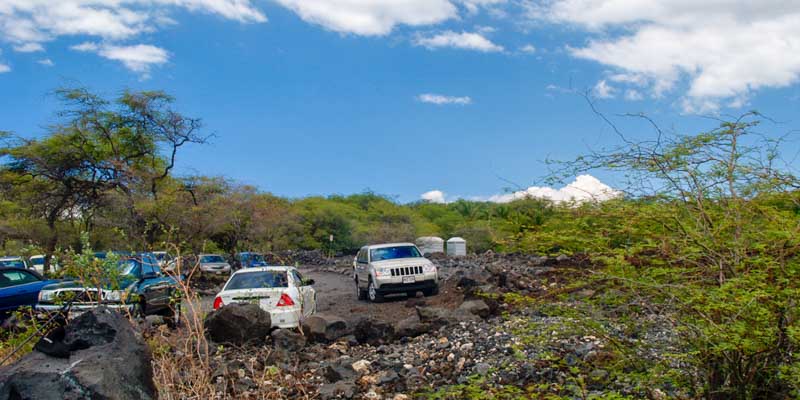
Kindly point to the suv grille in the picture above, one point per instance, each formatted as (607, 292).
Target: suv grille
(406, 271)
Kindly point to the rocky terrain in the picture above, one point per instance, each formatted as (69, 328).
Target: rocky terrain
(503, 326)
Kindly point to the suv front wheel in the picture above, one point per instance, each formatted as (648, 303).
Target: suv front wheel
(361, 294)
(373, 294)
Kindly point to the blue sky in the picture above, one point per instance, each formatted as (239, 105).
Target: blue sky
(340, 96)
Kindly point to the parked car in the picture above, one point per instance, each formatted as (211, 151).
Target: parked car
(249, 259)
(19, 287)
(281, 291)
(14, 262)
(141, 290)
(390, 268)
(187, 264)
(37, 263)
(214, 264)
(163, 258)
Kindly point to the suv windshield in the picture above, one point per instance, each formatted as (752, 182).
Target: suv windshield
(212, 259)
(258, 280)
(390, 253)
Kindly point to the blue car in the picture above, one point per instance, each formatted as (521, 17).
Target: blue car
(249, 259)
(19, 287)
(142, 289)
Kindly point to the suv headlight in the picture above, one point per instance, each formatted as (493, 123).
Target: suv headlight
(383, 272)
(115, 295)
(429, 269)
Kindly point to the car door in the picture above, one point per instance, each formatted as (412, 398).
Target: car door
(362, 261)
(153, 286)
(307, 293)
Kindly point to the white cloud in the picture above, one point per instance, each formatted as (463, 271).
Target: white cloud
(46, 62)
(4, 68)
(633, 95)
(603, 90)
(721, 50)
(473, 6)
(462, 40)
(434, 196)
(28, 47)
(441, 99)
(584, 188)
(528, 48)
(137, 58)
(371, 17)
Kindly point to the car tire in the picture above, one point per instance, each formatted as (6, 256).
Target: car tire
(431, 291)
(373, 294)
(139, 310)
(361, 294)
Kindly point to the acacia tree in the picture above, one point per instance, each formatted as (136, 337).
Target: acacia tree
(100, 146)
(721, 249)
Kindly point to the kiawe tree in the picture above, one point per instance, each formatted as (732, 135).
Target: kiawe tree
(98, 147)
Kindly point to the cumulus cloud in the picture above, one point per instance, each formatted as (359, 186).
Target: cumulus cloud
(434, 196)
(458, 40)
(28, 24)
(603, 90)
(46, 62)
(584, 188)
(473, 6)
(4, 68)
(528, 48)
(371, 17)
(721, 50)
(137, 58)
(441, 99)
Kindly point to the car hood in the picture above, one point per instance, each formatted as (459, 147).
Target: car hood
(75, 284)
(401, 262)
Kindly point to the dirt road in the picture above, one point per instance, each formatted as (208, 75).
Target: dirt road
(336, 295)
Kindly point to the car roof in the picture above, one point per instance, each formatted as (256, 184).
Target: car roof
(10, 258)
(283, 268)
(384, 245)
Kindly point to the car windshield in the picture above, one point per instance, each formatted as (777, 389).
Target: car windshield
(128, 267)
(12, 263)
(212, 259)
(391, 253)
(258, 280)
(256, 258)
(160, 256)
(14, 278)
(37, 260)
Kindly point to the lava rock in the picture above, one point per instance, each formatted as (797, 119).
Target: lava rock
(373, 331)
(324, 328)
(476, 307)
(411, 327)
(289, 340)
(239, 324)
(105, 359)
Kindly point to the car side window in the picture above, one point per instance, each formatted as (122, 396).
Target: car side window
(362, 256)
(13, 278)
(147, 268)
(298, 279)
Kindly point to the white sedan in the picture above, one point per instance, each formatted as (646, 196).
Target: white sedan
(281, 291)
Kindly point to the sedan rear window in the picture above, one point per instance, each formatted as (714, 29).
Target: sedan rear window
(258, 280)
(12, 263)
(390, 253)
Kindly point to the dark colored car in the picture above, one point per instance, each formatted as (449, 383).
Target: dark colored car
(141, 289)
(249, 259)
(19, 287)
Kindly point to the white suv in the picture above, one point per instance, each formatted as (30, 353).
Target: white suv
(393, 268)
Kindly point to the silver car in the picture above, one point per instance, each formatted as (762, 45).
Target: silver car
(391, 268)
(213, 263)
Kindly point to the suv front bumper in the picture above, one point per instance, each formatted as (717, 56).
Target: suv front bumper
(395, 287)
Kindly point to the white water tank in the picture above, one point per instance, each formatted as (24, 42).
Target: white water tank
(456, 246)
(430, 244)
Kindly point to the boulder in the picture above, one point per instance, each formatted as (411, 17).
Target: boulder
(411, 327)
(239, 324)
(338, 371)
(98, 355)
(439, 317)
(476, 307)
(373, 331)
(288, 340)
(324, 328)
